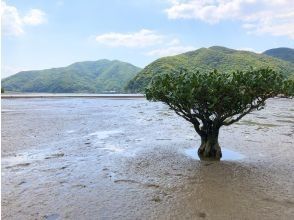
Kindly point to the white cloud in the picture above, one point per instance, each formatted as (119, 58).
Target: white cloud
(170, 51)
(174, 42)
(171, 47)
(211, 11)
(34, 17)
(13, 23)
(276, 23)
(145, 38)
(275, 17)
(142, 38)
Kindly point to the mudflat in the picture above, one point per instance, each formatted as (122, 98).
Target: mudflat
(101, 158)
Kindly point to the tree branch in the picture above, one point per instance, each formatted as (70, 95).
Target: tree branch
(188, 116)
(252, 107)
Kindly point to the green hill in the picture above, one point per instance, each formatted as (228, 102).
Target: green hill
(207, 59)
(282, 53)
(83, 77)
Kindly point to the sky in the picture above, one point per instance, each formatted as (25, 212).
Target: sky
(40, 34)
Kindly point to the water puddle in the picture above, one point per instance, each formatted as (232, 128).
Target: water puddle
(27, 159)
(226, 154)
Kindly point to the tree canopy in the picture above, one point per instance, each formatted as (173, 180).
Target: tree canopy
(211, 100)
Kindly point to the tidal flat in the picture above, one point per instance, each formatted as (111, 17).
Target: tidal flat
(126, 158)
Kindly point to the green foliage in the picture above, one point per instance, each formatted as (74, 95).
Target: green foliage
(217, 98)
(2, 90)
(282, 53)
(83, 77)
(288, 88)
(206, 60)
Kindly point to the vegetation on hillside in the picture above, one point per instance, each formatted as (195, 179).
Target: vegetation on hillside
(282, 53)
(83, 77)
(207, 59)
(104, 76)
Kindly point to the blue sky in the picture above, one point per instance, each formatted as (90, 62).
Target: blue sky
(39, 34)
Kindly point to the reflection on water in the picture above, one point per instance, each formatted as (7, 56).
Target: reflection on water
(226, 154)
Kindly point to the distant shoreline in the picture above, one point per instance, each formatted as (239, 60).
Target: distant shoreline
(71, 95)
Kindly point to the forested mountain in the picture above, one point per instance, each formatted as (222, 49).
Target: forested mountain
(207, 59)
(282, 53)
(105, 76)
(100, 76)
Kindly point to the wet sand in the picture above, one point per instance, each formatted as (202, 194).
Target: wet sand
(85, 158)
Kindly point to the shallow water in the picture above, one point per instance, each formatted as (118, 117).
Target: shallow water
(86, 158)
(226, 154)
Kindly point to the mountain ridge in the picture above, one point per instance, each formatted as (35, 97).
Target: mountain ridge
(98, 76)
(208, 59)
(114, 76)
(283, 53)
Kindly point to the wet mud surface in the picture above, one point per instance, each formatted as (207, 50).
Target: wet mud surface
(131, 159)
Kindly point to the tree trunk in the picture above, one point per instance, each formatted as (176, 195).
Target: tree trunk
(209, 148)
